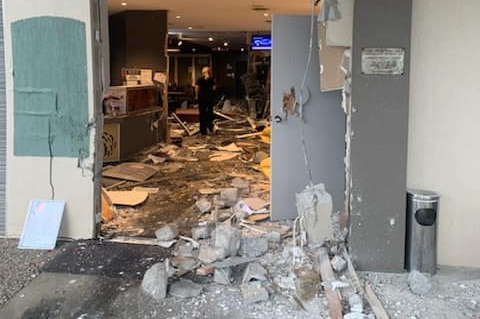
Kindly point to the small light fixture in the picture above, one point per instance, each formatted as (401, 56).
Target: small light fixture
(265, 14)
(242, 49)
(225, 44)
(210, 39)
(124, 3)
(190, 28)
(178, 17)
(180, 42)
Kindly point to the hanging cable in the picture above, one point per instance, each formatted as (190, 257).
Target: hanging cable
(50, 151)
(304, 91)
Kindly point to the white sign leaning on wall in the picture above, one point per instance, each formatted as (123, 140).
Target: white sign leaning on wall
(383, 61)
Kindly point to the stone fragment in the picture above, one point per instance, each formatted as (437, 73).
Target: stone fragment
(167, 233)
(338, 263)
(203, 205)
(184, 264)
(223, 276)
(253, 247)
(228, 238)
(273, 237)
(155, 281)
(205, 270)
(355, 315)
(356, 303)
(232, 261)
(419, 283)
(185, 249)
(253, 292)
(254, 271)
(185, 289)
(209, 254)
(202, 230)
(307, 283)
(229, 196)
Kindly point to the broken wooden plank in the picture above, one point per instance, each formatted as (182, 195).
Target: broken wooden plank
(179, 121)
(220, 156)
(248, 135)
(224, 116)
(137, 172)
(375, 303)
(368, 292)
(107, 213)
(115, 185)
(127, 198)
(326, 272)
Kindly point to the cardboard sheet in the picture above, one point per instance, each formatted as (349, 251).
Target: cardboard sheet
(127, 198)
(137, 172)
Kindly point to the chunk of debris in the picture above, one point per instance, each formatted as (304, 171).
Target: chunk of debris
(419, 283)
(355, 302)
(255, 203)
(232, 147)
(209, 254)
(205, 270)
(338, 263)
(150, 190)
(184, 264)
(356, 315)
(202, 230)
(155, 281)
(232, 261)
(241, 184)
(228, 238)
(127, 198)
(253, 292)
(273, 237)
(136, 172)
(307, 283)
(253, 247)
(167, 232)
(156, 159)
(220, 156)
(166, 244)
(229, 196)
(208, 191)
(185, 289)
(223, 276)
(203, 205)
(254, 271)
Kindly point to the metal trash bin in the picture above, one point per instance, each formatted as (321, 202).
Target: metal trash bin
(421, 239)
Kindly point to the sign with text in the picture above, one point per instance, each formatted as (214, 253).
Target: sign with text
(383, 61)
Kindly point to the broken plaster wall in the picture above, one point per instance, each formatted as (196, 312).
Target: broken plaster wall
(50, 98)
(444, 133)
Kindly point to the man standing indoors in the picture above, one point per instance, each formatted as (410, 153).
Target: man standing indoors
(204, 93)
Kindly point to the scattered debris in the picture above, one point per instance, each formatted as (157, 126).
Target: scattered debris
(228, 238)
(149, 190)
(253, 292)
(254, 271)
(223, 276)
(209, 254)
(137, 172)
(167, 232)
(253, 247)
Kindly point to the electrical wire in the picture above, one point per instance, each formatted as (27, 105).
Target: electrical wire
(304, 90)
(50, 151)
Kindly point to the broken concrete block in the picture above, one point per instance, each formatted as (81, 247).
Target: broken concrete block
(253, 292)
(185, 289)
(253, 247)
(185, 249)
(356, 303)
(229, 196)
(232, 261)
(338, 263)
(205, 270)
(202, 230)
(355, 315)
(254, 271)
(273, 237)
(419, 283)
(184, 264)
(167, 233)
(209, 254)
(223, 276)
(155, 281)
(203, 205)
(228, 238)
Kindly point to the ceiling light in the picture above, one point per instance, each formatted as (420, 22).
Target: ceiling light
(265, 14)
(178, 17)
(225, 44)
(123, 3)
(190, 28)
(210, 39)
(180, 43)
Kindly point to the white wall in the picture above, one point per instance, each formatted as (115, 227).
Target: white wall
(444, 129)
(28, 177)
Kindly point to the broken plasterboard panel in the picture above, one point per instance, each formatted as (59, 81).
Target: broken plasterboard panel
(42, 224)
(127, 198)
(137, 172)
(340, 32)
(331, 74)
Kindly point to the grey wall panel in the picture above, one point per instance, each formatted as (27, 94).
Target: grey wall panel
(324, 121)
(379, 143)
(3, 127)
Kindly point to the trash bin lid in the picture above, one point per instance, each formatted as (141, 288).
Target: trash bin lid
(422, 194)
